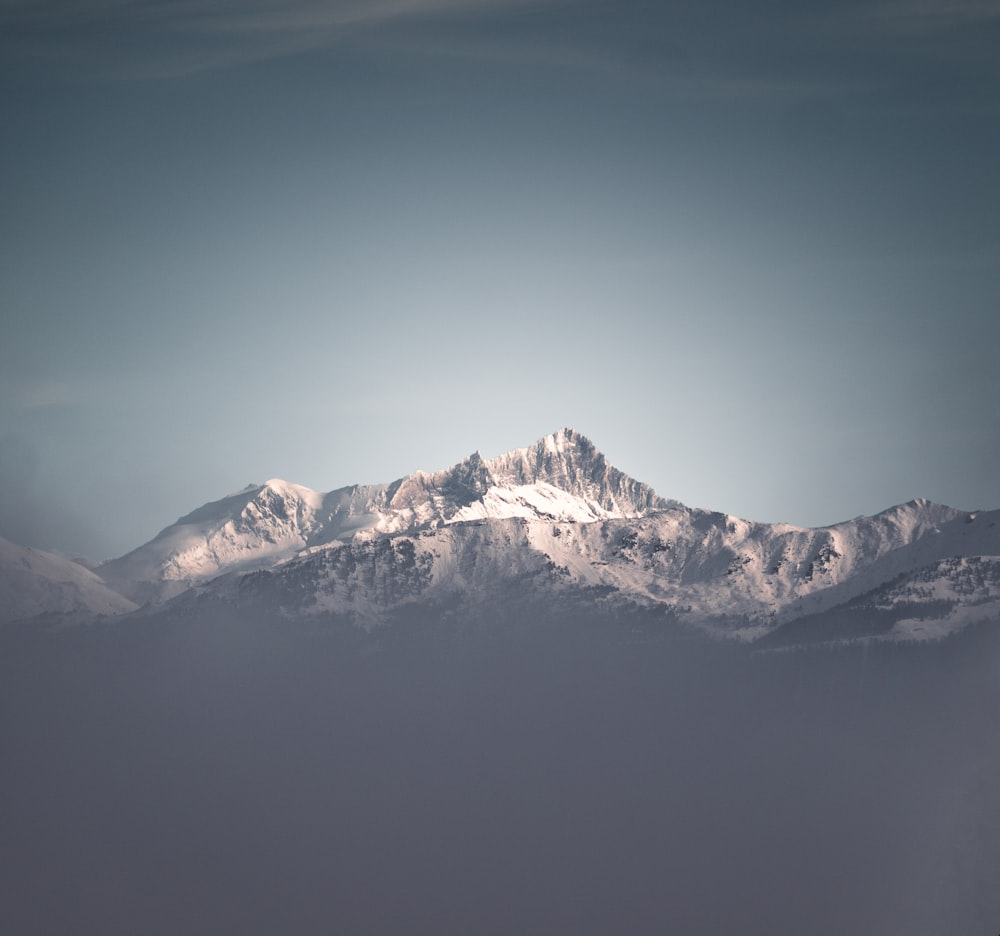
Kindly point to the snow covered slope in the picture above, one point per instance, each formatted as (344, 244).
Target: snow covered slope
(923, 604)
(34, 582)
(727, 576)
(943, 597)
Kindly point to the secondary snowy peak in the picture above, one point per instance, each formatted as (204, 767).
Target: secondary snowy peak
(260, 524)
(434, 497)
(34, 582)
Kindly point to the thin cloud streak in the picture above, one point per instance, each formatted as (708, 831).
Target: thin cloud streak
(665, 79)
(157, 39)
(239, 18)
(213, 35)
(283, 18)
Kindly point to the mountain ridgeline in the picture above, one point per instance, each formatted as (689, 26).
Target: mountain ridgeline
(556, 525)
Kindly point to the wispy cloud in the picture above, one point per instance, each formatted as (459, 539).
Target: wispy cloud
(669, 74)
(232, 14)
(678, 48)
(313, 15)
(189, 36)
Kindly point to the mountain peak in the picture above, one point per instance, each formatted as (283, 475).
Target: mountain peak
(568, 460)
(564, 438)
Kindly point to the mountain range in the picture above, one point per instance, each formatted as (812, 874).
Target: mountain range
(550, 525)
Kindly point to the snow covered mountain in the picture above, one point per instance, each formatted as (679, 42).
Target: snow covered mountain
(555, 522)
(34, 582)
(561, 477)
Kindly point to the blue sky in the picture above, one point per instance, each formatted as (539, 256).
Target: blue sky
(753, 251)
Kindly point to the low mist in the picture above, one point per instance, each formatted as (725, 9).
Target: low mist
(223, 774)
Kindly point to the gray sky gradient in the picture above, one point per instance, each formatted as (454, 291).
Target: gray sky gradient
(753, 251)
